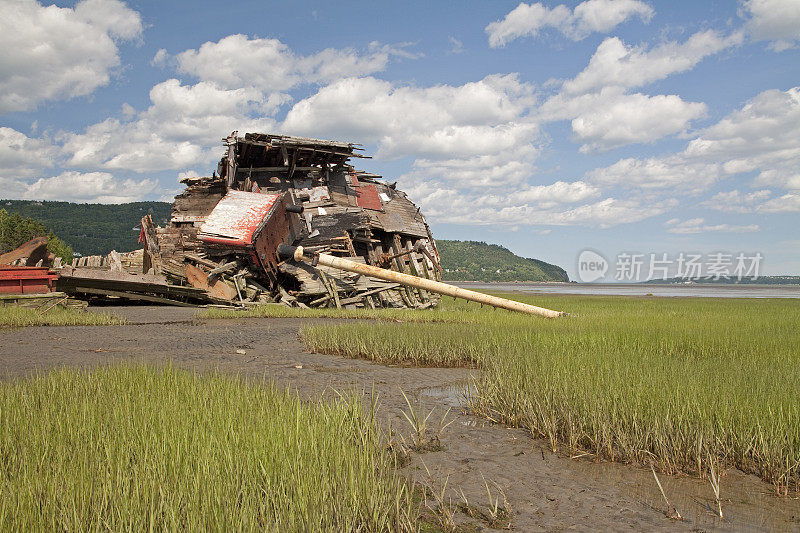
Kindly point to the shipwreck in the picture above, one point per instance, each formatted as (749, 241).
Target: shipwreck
(221, 241)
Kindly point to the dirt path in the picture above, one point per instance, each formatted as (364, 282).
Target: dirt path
(547, 492)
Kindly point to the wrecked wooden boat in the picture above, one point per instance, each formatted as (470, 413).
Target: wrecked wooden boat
(269, 190)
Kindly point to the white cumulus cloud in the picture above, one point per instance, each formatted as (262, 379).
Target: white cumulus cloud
(777, 21)
(763, 138)
(699, 225)
(737, 202)
(54, 53)
(754, 202)
(181, 129)
(477, 118)
(670, 172)
(615, 64)
(783, 204)
(22, 156)
(503, 169)
(588, 17)
(602, 111)
(99, 187)
(556, 204)
(270, 65)
(634, 118)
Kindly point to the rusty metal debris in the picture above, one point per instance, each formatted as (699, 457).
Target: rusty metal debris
(28, 276)
(26, 269)
(221, 243)
(26, 280)
(32, 253)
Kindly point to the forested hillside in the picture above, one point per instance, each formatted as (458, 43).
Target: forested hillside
(479, 261)
(16, 230)
(92, 229)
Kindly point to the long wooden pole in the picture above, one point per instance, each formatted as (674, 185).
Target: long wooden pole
(420, 283)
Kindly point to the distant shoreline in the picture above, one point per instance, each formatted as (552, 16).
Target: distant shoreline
(621, 284)
(460, 282)
(669, 290)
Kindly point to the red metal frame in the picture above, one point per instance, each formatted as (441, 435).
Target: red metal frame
(26, 280)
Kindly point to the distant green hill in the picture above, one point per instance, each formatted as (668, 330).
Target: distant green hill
(92, 229)
(478, 261)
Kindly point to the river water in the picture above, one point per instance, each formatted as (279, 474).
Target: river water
(698, 290)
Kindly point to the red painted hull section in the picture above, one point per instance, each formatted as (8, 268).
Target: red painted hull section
(26, 280)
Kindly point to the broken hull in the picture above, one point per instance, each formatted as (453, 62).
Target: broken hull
(345, 213)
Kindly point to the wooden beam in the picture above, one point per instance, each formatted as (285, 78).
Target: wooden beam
(332, 288)
(358, 297)
(199, 260)
(417, 267)
(216, 272)
(405, 292)
(131, 296)
(319, 301)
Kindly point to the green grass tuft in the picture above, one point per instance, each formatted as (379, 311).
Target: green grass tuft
(13, 316)
(383, 315)
(137, 448)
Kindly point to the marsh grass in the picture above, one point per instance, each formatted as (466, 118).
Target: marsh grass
(627, 379)
(424, 436)
(672, 511)
(497, 516)
(12, 316)
(441, 510)
(449, 315)
(138, 448)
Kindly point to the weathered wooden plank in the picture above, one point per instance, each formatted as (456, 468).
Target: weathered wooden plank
(405, 292)
(131, 296)
(418, 270)
(221, 269)
(200, 260)
(319, 301)
(215, 287)
(360, 296)
(332, 289)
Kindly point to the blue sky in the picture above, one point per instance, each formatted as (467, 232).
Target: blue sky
(616, 125)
